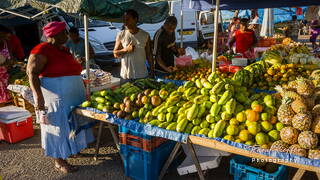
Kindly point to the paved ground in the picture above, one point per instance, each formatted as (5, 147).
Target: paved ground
(25, 160)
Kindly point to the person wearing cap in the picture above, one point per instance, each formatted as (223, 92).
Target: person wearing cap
(314, 33)
(54, 77)
(244, 38)
(292, 30)
(255, 26)
(133, 48)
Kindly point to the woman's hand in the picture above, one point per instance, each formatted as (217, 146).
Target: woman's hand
(39, 104)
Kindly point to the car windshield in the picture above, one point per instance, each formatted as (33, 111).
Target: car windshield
(96, 23)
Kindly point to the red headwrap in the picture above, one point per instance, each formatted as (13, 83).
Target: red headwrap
(53, 28)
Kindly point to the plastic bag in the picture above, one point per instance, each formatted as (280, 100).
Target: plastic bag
(192, 52)
(184, 61)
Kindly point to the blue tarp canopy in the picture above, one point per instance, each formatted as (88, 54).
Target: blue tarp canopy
(280, 15)
(251, 4)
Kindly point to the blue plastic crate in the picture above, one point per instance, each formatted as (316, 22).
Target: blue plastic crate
(241, 171)
(142, 165)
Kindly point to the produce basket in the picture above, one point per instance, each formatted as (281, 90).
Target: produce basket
(19, 101)
(241, 171)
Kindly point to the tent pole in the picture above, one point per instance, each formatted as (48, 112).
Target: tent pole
(14, 13)
(215, 36)
(181, 25)
(86, 40)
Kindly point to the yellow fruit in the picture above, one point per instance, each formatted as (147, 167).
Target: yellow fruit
(241, 117)
(245, 135)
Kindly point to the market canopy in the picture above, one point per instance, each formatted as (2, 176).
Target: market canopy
(108, 10)
(250, 4)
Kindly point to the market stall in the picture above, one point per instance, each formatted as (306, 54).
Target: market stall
(198, 95)
(207, 109)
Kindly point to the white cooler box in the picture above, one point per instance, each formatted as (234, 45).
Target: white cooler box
(15, 124)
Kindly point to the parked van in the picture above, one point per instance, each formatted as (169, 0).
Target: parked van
(102, 35)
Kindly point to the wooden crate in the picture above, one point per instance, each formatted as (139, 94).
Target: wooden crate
(19, 101)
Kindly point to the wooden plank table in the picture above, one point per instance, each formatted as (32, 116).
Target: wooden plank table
(210, 143)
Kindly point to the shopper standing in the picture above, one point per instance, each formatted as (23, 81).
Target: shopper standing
(165, 48)
(133, 48)
(55, 80)
(293, 29)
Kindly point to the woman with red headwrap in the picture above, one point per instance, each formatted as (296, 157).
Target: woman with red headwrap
(54, 77)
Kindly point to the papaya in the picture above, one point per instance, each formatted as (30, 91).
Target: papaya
(202, 110)
(161, 117)
(198, 84)
(204, 131)
(231, 106)
(204, 124)
(155, 122)
(173, 109)
(219, 128)
(163, 125)
(182, 125)
(210, 118)
(193, 112)
(195, 130)
(188, 129)
(172, 126)
(196, 122)
(225, 97)
(216, 89)
(169, 117)
(215, 109)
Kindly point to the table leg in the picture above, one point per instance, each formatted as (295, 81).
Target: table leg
(195, 160)
(114, 136)
(98, 140)
(298, 174)
(318, 175)
(169, 160)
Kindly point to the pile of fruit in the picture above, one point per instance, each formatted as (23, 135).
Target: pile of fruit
(108, 100)
(217, 107)
(300, 114)
(280, 75)
(187, 73)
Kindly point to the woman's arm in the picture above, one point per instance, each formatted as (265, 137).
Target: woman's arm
(35, 65)
(119, 50)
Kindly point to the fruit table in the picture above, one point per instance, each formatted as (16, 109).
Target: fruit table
(206, 142)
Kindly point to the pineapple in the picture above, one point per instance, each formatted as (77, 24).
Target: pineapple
(315, 127)
(289, 135)
(299, 106)
(302, 121)
(308, 140)
(297, 150)
(285, 112)
(316, 110)
(280, 146)
(310, 102)
(291, 94)
(314, 154)
(305, 87)
(292, 85)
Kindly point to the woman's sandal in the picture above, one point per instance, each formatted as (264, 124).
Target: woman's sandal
(65, 167)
